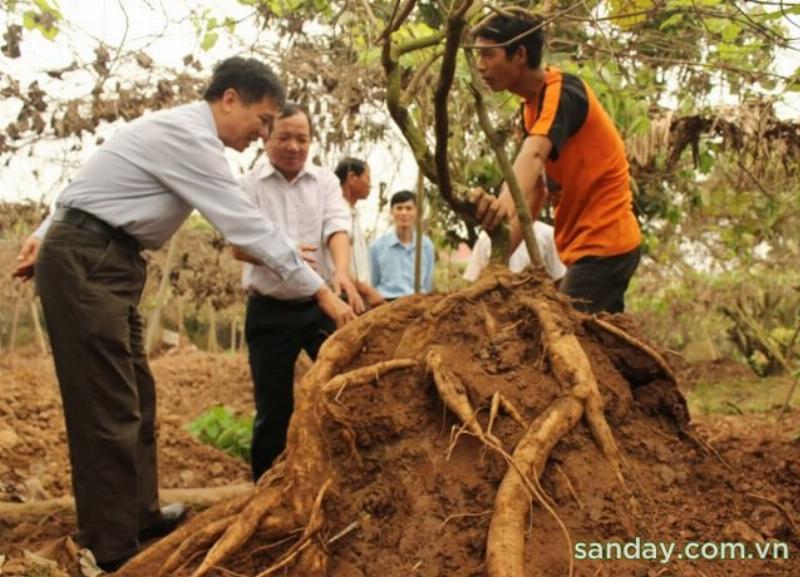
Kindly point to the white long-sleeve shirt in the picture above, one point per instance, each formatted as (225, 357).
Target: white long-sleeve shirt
(481, 253)
(359, 259)
(150, 175)
(309, 209)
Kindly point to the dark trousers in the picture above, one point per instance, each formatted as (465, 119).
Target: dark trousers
(90, 285)
(276, 332)
(599, 283)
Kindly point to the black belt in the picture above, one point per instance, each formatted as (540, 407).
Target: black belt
(294, 304)
(88, 221)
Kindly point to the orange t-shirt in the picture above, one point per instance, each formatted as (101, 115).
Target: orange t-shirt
(587, 163)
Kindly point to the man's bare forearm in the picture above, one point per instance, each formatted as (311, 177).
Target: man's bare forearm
(339, 246)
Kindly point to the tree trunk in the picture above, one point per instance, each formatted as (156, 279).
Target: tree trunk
(418, 245)
(37, 327)
(182, 336)
(233, 335)
(12, 339)
(212, 345)
(153, 333)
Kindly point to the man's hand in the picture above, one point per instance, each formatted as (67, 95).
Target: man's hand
(370, 293)
(334, 307)
(307, 252)
(27, 258)
(491, 210)
(342, 282)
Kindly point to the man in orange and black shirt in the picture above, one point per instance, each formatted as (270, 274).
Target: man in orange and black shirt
(572, 141)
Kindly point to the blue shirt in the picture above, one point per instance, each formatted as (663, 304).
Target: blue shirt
(393, 265)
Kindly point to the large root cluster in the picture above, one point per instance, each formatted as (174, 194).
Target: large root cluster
(421, 438)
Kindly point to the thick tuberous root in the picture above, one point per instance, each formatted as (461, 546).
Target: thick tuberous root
(370, 471)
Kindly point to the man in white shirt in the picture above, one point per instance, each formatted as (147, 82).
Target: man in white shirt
(520, 258)
(134, 193)
(354, 178)
(306, 202)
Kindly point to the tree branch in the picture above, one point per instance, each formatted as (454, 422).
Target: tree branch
(523, 210)
(456, 24)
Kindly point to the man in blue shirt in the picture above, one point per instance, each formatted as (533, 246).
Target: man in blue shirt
(392, 255)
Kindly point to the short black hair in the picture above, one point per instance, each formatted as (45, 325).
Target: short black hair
(403, 196)
(348, 165)
(502, 27)
(252, 79)
(290, 109)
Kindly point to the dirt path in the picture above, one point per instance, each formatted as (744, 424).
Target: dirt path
(34, 463)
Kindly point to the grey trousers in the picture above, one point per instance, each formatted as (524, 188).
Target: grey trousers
(90, 285)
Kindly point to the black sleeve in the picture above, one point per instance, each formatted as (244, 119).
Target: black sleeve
(573, 106)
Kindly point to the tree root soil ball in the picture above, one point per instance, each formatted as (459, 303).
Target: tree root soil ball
(490, 432)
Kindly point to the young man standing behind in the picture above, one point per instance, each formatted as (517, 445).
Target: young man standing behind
(570, 137)
(392, 256)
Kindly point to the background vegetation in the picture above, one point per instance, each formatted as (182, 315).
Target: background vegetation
(696, 87)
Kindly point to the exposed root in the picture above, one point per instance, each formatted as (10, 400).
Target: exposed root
(364, 375)
(505, 546)
(572, 368)
(493, 412)
(464, 515)
(489, 322)
(148, 561)
(499, 400)
(570, 488)
(315, 522)
(512, 411)
(525, 458)
(419, 335)
(706, 447)
(454, 395)
(240, 531)
(316, 455)
(781, 508)
(197, 542)
(634, 342)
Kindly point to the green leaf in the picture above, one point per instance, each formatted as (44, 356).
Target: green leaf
(673, 20)
(640, 125)
(49, 33)
(219, 427)
(208, 41)
(706, 162)
(29, 20)
(731, 32)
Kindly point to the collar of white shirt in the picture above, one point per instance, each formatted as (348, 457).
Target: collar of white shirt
(265, 170)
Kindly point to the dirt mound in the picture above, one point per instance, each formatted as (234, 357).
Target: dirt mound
(34, 463)
(397, 463)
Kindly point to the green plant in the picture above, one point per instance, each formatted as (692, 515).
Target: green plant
(223, 429)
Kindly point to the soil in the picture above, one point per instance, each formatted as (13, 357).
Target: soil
(422, 494)
(34, 462)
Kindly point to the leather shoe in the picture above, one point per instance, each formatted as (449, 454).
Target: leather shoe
(168, 519)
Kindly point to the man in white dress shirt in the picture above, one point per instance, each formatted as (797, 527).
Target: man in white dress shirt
(134, 193)
(306, 202)
(354, 178)
(520, 259)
